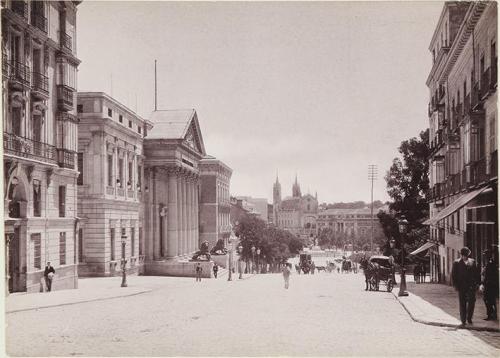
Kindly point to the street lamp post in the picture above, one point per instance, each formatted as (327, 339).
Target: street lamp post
(124, 262)
(258, 260)
(240, 249)
(253, 258)
(230, 276)
(403, 227)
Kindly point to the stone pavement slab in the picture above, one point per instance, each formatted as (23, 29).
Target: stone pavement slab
(437, 304)
(90, 289)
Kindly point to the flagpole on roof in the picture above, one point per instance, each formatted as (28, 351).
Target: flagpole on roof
(156, 91)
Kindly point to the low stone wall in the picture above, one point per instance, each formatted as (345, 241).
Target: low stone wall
(177, 268)
(66, 277)
(221, 260)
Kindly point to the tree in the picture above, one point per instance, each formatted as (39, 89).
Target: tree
(407, 182)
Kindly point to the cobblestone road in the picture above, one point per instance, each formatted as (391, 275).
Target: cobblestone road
(320, 315)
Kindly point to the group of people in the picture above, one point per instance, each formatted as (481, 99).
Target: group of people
(467, 278)
(419, 273)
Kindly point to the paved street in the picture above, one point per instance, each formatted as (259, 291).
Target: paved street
(320, 315)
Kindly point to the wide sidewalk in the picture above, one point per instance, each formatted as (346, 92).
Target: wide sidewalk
(437, 304)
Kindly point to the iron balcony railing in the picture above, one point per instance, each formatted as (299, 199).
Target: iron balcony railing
(40, 83)
(20, 73)
(20, 8)
(66, 158)
(39, 21)
(485, 83)
(65, 97)
(66, 41)
(28, 148)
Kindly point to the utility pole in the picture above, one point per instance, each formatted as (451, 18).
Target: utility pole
(372, 175)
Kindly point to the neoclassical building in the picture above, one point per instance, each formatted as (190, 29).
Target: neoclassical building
(298, 213)
(110, 166)
(39, 65)
(215, 208)
(172, 153)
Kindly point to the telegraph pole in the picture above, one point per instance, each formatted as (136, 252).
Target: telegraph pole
(372, 175)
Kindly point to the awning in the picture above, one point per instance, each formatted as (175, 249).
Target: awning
(457, 204)
(422, 248)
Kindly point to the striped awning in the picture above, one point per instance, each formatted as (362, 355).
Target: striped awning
(422, 248)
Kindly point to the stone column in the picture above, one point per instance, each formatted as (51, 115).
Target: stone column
(196, 213)
(172, 223)
(184, 215)
(179, 214)
(189, 206)
(193, 215)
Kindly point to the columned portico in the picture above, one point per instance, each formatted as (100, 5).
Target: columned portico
(172, 234)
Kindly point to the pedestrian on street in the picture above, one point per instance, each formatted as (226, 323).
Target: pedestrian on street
(489, 284)
(422, 273)
(286, 274)
(416, 273)
(199, 270)
(48, 274)
(313, 267)
(465, 277)
(216, 269)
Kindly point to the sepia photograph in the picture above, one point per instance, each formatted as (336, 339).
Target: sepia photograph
(250, 178)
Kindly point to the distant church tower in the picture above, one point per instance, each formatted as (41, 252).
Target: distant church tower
(276, 200)
(296, 189)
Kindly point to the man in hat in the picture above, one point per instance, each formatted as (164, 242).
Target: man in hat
(48, 274)
(465, 277)
(489, 283)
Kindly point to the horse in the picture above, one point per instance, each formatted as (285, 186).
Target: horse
(370, 269)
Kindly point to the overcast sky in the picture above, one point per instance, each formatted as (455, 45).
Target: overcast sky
(319, 89)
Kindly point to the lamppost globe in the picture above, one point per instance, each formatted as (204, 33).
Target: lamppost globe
(403, 225)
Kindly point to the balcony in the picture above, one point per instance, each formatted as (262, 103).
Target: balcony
(19, 74)
(66, 41)
(66, 158)
(478, 172)
(40, 86)
(28, 148)
(65, 98)
(20, 8)
(485, 83)
(39, 21)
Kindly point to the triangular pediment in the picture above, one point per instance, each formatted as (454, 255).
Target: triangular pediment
(193, 138)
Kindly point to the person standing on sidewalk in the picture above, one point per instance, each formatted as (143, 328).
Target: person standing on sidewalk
(489, 284)
(199, 270)
(465, 277)
(286, 274)
(48, 274)
(215, 269)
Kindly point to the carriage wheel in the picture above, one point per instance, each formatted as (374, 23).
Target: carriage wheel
(390, 285)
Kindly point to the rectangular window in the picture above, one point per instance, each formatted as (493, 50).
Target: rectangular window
(37, 198)
(80, 245)
(130, 174)
(62, 248)
(120, 172)
(140, 241)
(139, 129)
(110, 170)
(79, 181)
(36, 240)
(132, 241)
(62, 201)
(130, 124)
(79, 108)
(110, 113)
(120, 118)
(112, 244)
(139, 177)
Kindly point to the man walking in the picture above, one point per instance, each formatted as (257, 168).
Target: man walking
(215, 269)
(199, 270)
(48, 274)
(465, 277)
(490, 284)
(286, 274)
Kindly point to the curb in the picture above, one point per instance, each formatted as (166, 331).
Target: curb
(441, 324)
(75, 303)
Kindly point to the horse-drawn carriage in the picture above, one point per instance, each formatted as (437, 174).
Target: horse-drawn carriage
(378, 269)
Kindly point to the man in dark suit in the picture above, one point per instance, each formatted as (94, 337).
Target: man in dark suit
(465, 276)
(49, 275)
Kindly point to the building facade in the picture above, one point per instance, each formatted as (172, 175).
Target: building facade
(215, 208)
(110, 165)
(353, 224)
(463, 134)
(39, 65)
(296, 214)
(173, 150)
